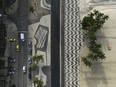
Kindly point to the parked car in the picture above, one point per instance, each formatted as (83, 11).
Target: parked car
(29, 75)
(11, 72)
(24, 69)
(12, 60)
(30, 51)
(11, 57)
(29, 60)
(18, 47)
(10, 39)
(22, 37)
(29, 69)
(13, 69)
(29, 44)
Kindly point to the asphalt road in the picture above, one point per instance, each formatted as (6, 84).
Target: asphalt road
(22, 61)
(22, 24)
(22, 21)
(19, 78)
(21, 56)
(55, 29)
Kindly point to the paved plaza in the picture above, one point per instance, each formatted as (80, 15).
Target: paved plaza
(39, 34)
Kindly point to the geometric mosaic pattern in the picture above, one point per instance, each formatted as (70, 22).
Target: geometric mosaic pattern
(41, 36)
(3, 71)
(73, 39)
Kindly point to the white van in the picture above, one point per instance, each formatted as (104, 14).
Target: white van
(22, 37)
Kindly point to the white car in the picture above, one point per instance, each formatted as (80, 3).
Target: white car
(22, 37)
(24, 69)
(29, 60)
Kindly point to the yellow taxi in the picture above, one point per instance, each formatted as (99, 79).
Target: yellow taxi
(12, 39)
(18, 47)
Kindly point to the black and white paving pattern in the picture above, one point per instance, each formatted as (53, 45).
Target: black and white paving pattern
(73, 38)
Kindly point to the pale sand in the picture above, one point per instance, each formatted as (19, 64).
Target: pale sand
(102, 73)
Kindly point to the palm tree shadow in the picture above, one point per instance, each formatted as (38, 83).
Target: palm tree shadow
(95, 75)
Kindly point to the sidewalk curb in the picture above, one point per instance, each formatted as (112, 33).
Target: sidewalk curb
(14, 6)
(42, 4)
(61, 41)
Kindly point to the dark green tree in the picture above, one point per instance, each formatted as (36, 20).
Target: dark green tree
(91, 36)
(38, 82)
(91, 24)
(37, 58)
(86, 61)
(34, 66)
(31, 9)
(87, 22)
(35, 80)
(34, 58)
(101, 55)
(91, 56)
(95, 19)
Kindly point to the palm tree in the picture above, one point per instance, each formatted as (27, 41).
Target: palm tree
(34, 58)
(91, 47)
(101, 55)
(35, 81)
(91, 56)
(86, 62)
(31, 9)
(34, 67)
(91, 24)
(92, 43)
(38, 82)
(40, 57)
(98, 45)
(87, 22)
(37, 58)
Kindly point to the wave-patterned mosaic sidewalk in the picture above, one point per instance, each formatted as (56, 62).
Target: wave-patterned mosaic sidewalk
(73, 40)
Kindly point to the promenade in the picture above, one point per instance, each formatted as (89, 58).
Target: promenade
(39, 34)
(71, 43)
